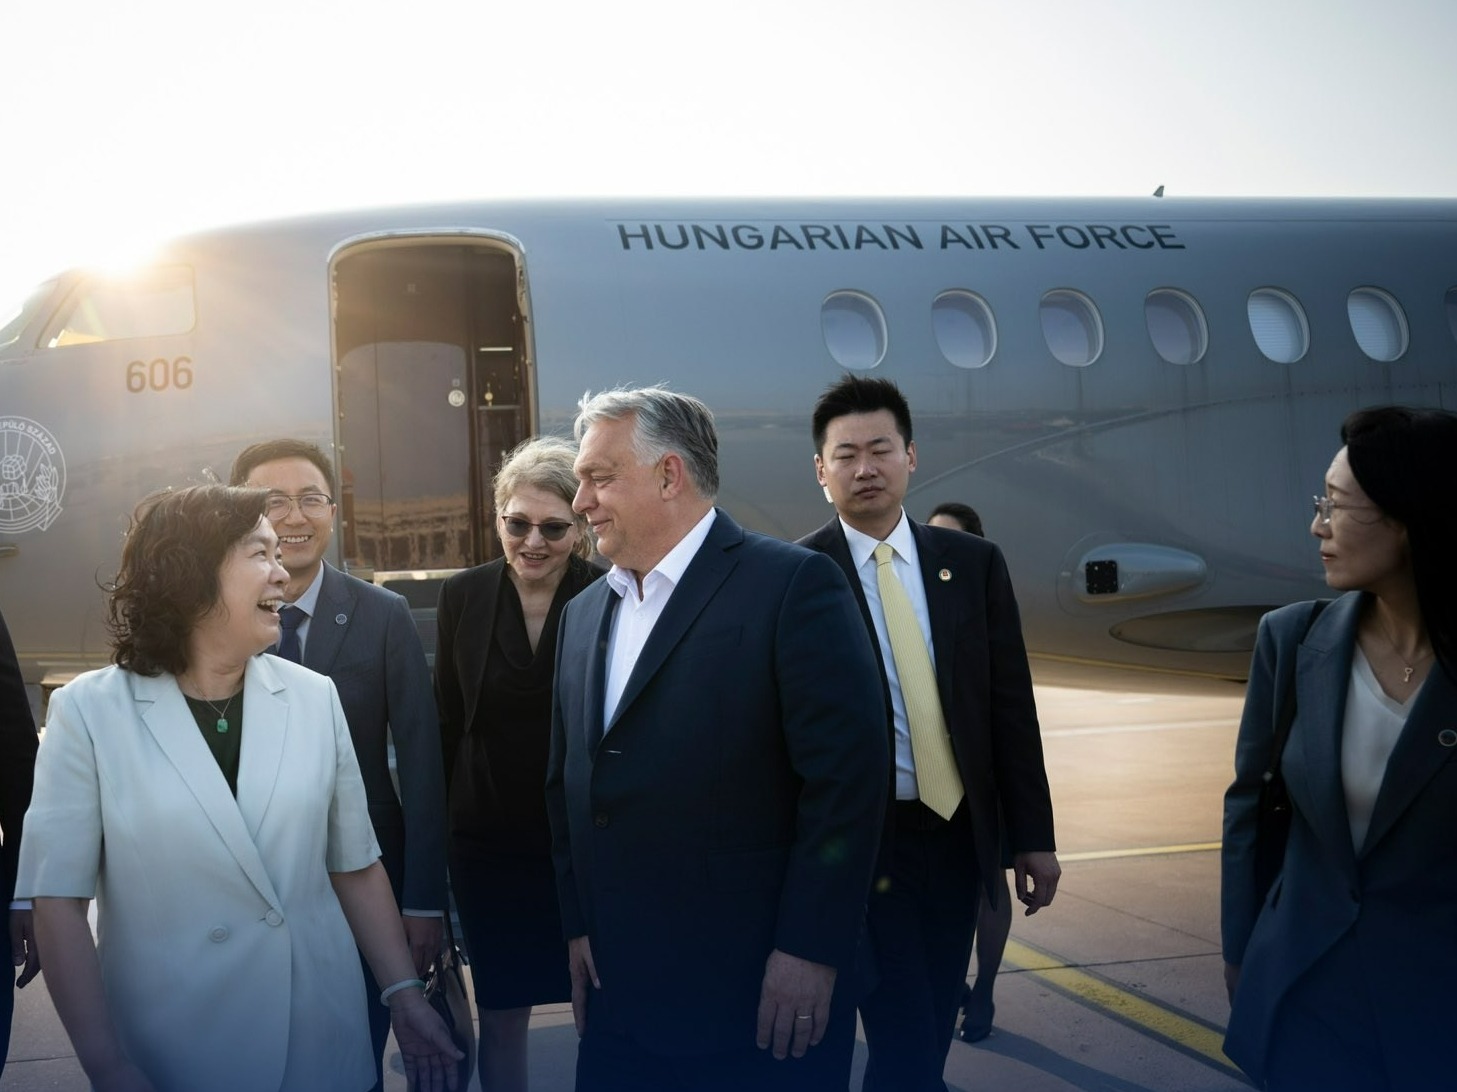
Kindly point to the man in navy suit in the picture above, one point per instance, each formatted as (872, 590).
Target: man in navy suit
(17, 765)
(717, 776)
(939, 852)
(364, 639)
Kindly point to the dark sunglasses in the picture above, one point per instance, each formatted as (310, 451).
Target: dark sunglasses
(553, 530)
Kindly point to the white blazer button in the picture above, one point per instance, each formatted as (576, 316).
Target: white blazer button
(218, 933)
(273, 917)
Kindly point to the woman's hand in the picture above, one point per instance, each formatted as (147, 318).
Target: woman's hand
(429, 1053)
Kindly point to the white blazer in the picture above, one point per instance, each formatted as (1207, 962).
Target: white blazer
(226, 959)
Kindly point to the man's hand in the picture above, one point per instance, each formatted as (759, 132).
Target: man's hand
(794, 1004)
(1042, 868)
(425, 937)
(583, 970)
(23, 952)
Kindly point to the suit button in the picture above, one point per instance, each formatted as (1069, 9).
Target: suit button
(217, 934)
(273, 917)
(600, 819)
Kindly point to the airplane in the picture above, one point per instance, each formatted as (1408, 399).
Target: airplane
(1140, 396)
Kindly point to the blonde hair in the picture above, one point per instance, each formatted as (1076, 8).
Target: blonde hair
(544, 463)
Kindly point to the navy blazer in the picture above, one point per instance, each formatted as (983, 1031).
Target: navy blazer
(1396, 898)
(18, 743)
(984, 682)
(363, 637)
(734, 805)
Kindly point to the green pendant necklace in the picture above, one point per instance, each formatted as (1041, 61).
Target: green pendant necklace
(222, 714)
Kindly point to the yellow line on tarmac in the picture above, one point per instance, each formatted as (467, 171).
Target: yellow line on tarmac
(1143, 1014)
(1142, 851)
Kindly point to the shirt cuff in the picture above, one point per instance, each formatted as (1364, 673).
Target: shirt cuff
(423, 913)
(21, 904)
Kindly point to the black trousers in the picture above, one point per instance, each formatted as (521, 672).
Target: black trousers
(921, 918)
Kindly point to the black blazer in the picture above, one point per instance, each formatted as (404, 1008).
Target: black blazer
(985, 686)
(18, 744)
(466, 622)
(733, 807)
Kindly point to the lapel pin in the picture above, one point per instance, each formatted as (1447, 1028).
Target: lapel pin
(340, 619)
(945, 575)
(1447, 737)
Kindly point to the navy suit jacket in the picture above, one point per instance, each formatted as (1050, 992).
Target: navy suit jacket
(1396, 898)
(984, 682)
(362, 637)
(18, 743)
(734, 805)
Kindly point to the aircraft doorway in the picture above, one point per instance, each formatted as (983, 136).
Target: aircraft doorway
(434, 387)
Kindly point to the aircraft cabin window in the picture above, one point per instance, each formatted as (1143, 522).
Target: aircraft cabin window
(1278, 323)
(16, 319)
(1450, 303)
(1176, 326)
(854, 329)
(155, 302)
(1378, 323)
(1072, 327)
(966, 331)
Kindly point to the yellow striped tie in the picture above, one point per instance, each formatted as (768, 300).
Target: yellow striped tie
(939, 783)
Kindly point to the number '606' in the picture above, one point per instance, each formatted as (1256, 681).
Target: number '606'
(159, 374)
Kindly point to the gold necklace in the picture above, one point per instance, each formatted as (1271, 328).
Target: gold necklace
(1408, 669)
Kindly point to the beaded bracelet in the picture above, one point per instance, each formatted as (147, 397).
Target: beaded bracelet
(404, 984)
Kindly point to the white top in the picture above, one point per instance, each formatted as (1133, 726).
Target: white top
(907, 566)
(636, 616)
(1372, 726)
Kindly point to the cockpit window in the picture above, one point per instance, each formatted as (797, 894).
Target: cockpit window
(17, 318)
(155, 302)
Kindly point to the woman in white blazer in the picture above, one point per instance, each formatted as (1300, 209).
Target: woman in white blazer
(209, 799)
(1341, 975)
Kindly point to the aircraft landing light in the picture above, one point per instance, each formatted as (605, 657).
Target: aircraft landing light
(1182, 1031)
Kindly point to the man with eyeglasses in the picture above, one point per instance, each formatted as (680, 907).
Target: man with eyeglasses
(363, 637)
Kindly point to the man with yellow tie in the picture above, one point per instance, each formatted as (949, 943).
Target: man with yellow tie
(963, 725)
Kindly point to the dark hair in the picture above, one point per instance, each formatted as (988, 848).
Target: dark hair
(169, 571)
(1403, 456)
(963, 514)
(251, 458)
(856, 395)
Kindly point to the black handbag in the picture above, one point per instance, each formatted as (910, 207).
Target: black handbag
(1272, 816)
(445, 993)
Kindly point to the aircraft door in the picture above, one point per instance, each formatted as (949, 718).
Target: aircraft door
(432, 392)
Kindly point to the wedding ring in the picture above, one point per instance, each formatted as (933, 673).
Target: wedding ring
(804, 1017)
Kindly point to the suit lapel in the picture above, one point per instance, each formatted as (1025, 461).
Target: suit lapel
(264, 733)
(481, 627)
(600, 604)
(332, 613)
(1418, 755)
(940, 605)
(166, 716)
(705, 573)
(1322, 675)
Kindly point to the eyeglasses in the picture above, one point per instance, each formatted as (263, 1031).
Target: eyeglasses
(1324, 506)
(310, 504)
(553, 530)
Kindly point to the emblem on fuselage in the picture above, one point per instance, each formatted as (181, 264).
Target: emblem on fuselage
(32, 476)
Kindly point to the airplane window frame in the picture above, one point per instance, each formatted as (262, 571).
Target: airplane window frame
(129, 326)
(1184, 310)
(978, 313)
(1281, 304)
(845, 340)
(1383, 306)
(1078, 306)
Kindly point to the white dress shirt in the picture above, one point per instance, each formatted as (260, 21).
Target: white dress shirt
(636, 615)
(907, 566)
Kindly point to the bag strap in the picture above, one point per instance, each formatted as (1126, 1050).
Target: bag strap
(1286, 716)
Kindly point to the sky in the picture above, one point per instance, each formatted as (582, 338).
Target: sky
(126, 123)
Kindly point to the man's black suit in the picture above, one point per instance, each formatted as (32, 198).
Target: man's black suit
(733, 806)
(986, 696)
(17, 765)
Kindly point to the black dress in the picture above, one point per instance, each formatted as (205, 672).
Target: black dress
(500, 842)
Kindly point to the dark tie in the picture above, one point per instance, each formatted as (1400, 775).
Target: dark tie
(288, 647)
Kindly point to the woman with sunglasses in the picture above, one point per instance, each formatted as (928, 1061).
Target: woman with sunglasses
(493, 681)
(1341, 974)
